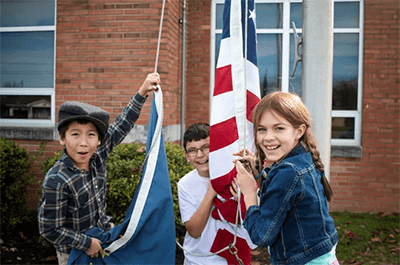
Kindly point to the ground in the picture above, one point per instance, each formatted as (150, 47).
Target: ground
(28, 248)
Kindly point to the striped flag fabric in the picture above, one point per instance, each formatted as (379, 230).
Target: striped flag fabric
(236, 93)
(147, 234)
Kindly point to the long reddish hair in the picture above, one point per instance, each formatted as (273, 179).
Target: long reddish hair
(291, 107)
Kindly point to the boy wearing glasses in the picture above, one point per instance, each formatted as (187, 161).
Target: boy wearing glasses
(196, 197)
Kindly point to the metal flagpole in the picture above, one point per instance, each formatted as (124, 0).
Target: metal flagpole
(316, 81)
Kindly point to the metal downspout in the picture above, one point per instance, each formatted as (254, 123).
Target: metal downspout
(183, 71)
(317, 67)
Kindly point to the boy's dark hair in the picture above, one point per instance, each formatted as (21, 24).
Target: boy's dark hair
(196, 132)
(64, 127)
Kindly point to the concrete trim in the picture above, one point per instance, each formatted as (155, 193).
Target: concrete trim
(346, 151)
(29, 133)
(137, 134)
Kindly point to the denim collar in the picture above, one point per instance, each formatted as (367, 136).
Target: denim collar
(297, 150)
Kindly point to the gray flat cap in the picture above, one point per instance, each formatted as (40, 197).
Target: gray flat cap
(73, 110)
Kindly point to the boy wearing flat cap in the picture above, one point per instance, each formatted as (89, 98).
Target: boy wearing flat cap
(74, 189)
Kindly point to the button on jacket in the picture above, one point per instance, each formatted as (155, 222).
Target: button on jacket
(73, 200)
(293, 216)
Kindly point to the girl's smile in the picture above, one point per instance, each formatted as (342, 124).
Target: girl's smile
(276, 136)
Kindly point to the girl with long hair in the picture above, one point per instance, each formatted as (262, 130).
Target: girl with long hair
(290, 213)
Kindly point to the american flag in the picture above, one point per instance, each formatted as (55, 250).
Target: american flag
(236, 93)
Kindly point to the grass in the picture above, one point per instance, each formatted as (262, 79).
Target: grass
(363, 239)
(367, 238)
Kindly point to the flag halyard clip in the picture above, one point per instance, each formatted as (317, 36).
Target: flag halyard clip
(233, 250)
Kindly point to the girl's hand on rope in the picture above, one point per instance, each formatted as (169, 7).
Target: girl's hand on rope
(249, 156)
(247, 184)
(150, 84)
(242, 154)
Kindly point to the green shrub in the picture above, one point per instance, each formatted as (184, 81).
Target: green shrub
(178, 167)
(14, 176)
(123, 175)
(123, 169)
(49, 162)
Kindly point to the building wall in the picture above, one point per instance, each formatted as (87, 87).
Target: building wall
(367, 184)
(372, 182)
(105, 50)
(197, 85)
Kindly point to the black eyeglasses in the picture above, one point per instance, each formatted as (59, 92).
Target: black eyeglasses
(192, 152)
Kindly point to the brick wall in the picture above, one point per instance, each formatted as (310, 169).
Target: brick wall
(197, 107)
(104, 51)
(372, 182)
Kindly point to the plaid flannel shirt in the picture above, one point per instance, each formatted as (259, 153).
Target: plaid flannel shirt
(73, 199)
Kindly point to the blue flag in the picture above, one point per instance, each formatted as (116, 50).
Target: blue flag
(148, 231)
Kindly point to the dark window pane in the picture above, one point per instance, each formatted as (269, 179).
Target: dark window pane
(342, 128)
(219, 13)
(345, 71)
(295, 81)
(25, 107)
(345, 95)
(346, 15)
(27, 59)
(269, 51)
(269, 16)
(296, 15)
(27, 13)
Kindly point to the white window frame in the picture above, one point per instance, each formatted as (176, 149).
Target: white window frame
(27, 91)
(286, 30)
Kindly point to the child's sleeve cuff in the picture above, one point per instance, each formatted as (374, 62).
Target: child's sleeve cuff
(139, 98)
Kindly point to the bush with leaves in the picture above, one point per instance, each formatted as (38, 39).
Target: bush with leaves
(123, 175)
(14, 176)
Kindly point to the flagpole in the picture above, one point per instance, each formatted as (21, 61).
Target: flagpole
(235, 82)
(316, 81)
(245, 77)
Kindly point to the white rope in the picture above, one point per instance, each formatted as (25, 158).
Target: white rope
(225, 248)
(159, 37)
(245, 77)
(245, 96)
(238, 212)
(155, 71)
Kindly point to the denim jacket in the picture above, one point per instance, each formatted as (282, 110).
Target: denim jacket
(293, 216)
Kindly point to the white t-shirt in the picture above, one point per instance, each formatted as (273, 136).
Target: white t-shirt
(191, 190)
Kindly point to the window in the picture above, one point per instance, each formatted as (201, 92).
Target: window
(276, 49)
(27, 63)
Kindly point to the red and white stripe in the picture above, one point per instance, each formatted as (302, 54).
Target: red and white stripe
(234, 98)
